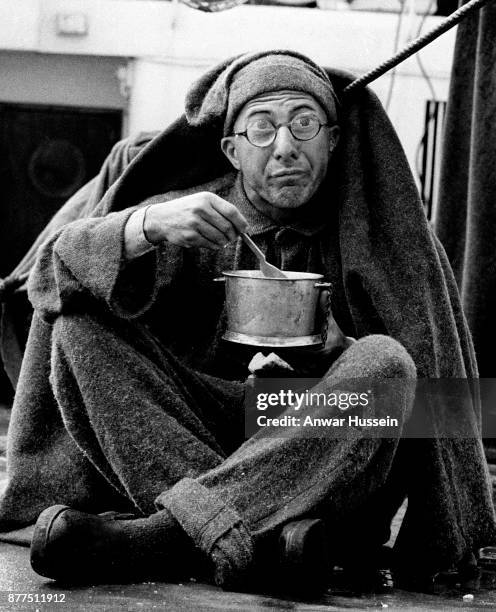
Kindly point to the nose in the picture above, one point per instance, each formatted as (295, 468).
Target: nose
(285, 144)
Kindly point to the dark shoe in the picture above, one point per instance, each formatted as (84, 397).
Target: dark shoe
(73, 546)
(305, 568)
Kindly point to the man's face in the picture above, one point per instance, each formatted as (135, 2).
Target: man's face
(283, 176)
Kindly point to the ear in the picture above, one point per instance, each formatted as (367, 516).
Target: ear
(334, 132)
(228, 147)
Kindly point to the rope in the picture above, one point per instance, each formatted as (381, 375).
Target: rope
(416, 45)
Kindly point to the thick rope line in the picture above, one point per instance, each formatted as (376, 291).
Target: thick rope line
(416, 45)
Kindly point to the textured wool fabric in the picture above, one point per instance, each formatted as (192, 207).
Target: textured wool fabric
(214, 527)
(391, 277)
(465, 219)
(217, 97)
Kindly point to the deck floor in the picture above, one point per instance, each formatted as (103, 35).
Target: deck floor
(17, 577)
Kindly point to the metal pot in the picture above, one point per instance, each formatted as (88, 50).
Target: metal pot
(278, 312)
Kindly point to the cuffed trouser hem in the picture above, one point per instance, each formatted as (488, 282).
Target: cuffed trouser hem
(214, 527)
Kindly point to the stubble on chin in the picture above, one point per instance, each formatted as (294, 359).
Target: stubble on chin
(290, 197)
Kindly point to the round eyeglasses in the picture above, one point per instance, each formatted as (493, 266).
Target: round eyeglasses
(262, 132)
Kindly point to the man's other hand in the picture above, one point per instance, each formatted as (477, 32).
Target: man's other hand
(272, 366)
(200, 220)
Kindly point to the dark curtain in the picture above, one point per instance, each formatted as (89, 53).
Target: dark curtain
(465, 219)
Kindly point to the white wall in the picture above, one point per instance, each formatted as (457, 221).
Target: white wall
(158, 91)
(66, 80)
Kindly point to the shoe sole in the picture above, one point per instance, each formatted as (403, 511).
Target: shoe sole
(39, 561)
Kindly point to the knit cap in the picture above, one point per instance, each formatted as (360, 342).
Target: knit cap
(216, 98)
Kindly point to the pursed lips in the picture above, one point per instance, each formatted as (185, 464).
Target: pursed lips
(287, 172)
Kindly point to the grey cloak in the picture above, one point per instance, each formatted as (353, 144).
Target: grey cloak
(394, 279)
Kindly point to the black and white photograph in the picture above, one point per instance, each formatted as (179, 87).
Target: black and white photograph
(247, 305)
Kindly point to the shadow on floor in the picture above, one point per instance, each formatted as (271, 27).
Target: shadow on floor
(16, 577)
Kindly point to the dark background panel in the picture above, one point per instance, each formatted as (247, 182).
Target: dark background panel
(46, 154)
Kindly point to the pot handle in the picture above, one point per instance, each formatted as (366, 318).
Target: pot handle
(324, 285)
(219, 279)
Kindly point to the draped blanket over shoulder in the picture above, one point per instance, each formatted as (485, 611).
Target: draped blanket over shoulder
(392, 278)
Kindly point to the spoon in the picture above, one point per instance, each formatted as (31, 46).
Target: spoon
(267, 269)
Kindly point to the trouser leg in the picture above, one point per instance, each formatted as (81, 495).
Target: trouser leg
(271, 480)
(139, 415)
(129, 405)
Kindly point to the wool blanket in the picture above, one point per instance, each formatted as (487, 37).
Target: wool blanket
(395, 278)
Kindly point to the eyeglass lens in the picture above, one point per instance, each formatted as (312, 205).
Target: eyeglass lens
(262, 132)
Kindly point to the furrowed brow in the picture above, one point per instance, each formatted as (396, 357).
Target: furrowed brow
(304, 107)
(255, 111)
